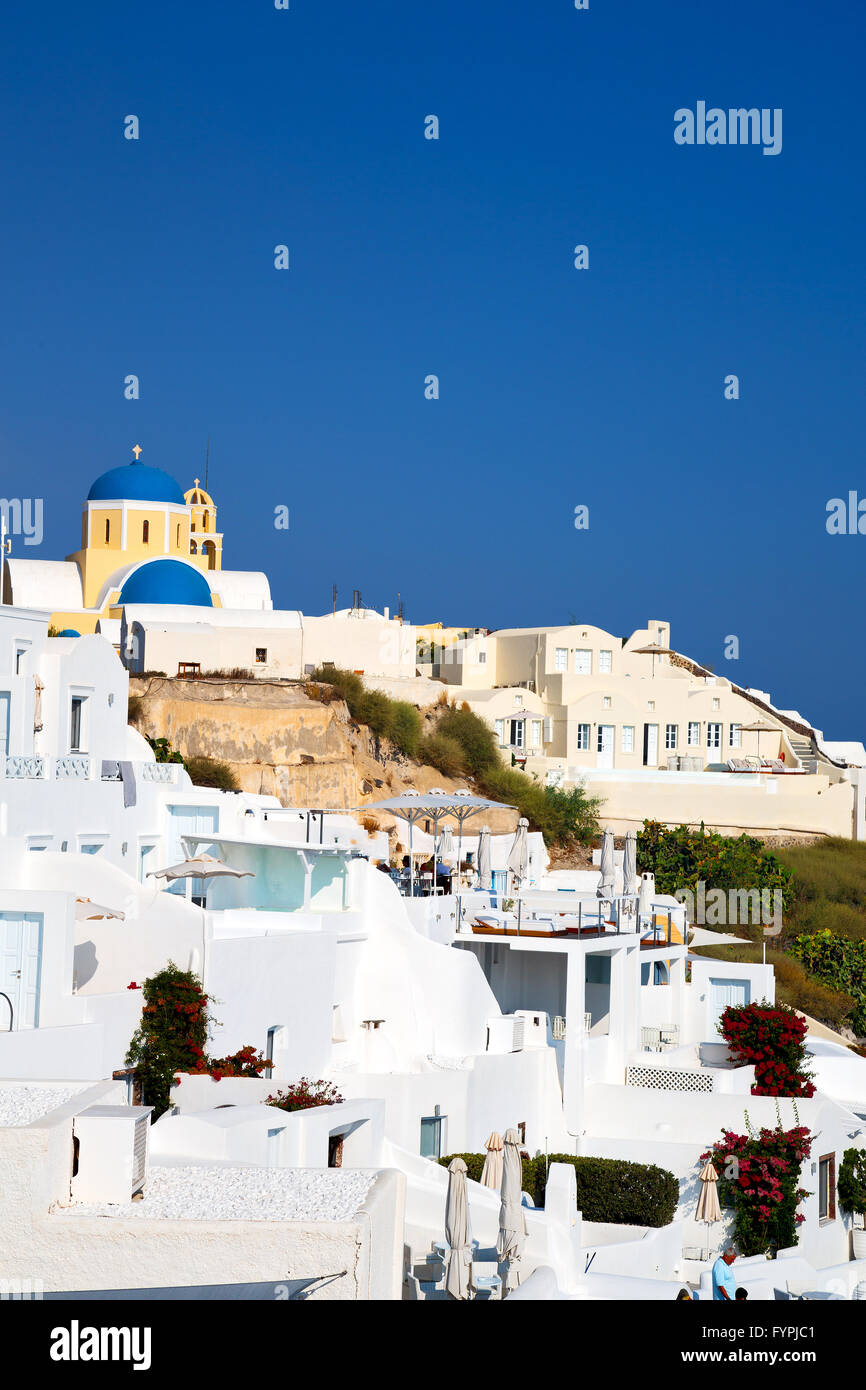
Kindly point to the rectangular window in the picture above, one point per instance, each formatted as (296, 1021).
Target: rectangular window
(670, 735)
(827, 1188)
(560, 659)
(605, 702)
(628, 738)
(499, 726)
(76, 724)
(261, 654)
(605, 661)
(482, 658)
(694, 734)
(20, 653)
(736, 735)
(714, 735)
(716, 704)
(516, 733)
(582, 663)
(548, 729)
(535, 734)
(583, 738)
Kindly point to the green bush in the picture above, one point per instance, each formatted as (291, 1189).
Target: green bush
(210, 772)
(839, 963)
(563, 817)
(475, 737)
(608, 1189)
(682, 858)
(852, 1182)
(443, 753)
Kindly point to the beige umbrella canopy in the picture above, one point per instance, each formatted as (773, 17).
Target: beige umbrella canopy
(708, 1208)
(491, 1173)
(202, 866)
(512, 1218)
(87, 911)
(458, 1276)
(654, 650)
(760, 726)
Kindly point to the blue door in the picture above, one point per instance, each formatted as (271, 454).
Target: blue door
(20, 967)
(724, 993)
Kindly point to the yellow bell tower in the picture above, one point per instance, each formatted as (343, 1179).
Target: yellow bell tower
(204, 538)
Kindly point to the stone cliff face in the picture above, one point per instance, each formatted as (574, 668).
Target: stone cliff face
(280, 743)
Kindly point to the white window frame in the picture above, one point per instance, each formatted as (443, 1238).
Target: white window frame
(735, 737)
(583, 661)
(560, 658)
(499, 729)
(714, 735)
(627, 743)
(584, 734)
(694, 734)
(671, 736)
(516, 733)
(535, 733)
(605, 661)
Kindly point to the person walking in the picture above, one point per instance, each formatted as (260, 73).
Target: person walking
(724, 1283)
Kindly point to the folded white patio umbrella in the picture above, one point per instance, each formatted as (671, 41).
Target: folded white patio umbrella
(458, 1276)
(512, 1217)
(629, 865)
(491, 1173)
(518, 855)
(608, 880)
(485, 872)
(708, 1208)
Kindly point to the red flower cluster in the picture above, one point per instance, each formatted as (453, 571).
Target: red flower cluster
(772, 1041)
(245, 1062)
(305, 1094)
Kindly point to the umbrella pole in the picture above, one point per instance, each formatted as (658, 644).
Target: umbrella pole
(411, 863)
(435, 846)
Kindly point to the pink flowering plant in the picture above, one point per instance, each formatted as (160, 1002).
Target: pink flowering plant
(759, 1178)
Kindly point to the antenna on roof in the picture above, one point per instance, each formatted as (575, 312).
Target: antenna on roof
(334, 599)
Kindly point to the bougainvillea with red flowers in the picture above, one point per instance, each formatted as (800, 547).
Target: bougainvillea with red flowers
(172, 1035)
(771, 1038)
(759, 1177)
(305, 1094)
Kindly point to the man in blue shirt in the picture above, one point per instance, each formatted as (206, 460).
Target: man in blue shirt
(724, 1284)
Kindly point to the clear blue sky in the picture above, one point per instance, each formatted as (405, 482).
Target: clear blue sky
(410, 257)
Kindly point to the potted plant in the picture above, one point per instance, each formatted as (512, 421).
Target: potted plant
(852, 1195)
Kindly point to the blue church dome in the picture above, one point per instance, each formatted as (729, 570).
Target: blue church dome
(166, 581)
(136, 482)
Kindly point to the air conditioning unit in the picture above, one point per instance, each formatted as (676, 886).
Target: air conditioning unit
(505, 1033)
(110, 1143)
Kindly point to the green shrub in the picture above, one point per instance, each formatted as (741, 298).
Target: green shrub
(163, 751)
(475, 737)
(443, 753)
(839, 963)
(852, 1182)
(682, 858)
(405, 727)
(172, 1034)
(210, 772)
(608, 1189)
(563, 817)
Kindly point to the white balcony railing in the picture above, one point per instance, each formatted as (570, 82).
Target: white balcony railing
(25, 765)
(72, 766)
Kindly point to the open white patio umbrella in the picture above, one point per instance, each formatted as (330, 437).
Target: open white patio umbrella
(458, 1276)
(608, 880)
(491, 1173)
(518, 855)
(436, 806)
(708, 1208)
(512, 1217)
(87, 911)
(485, 872)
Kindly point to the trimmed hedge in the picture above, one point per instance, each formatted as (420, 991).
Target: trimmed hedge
(608, 1189)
